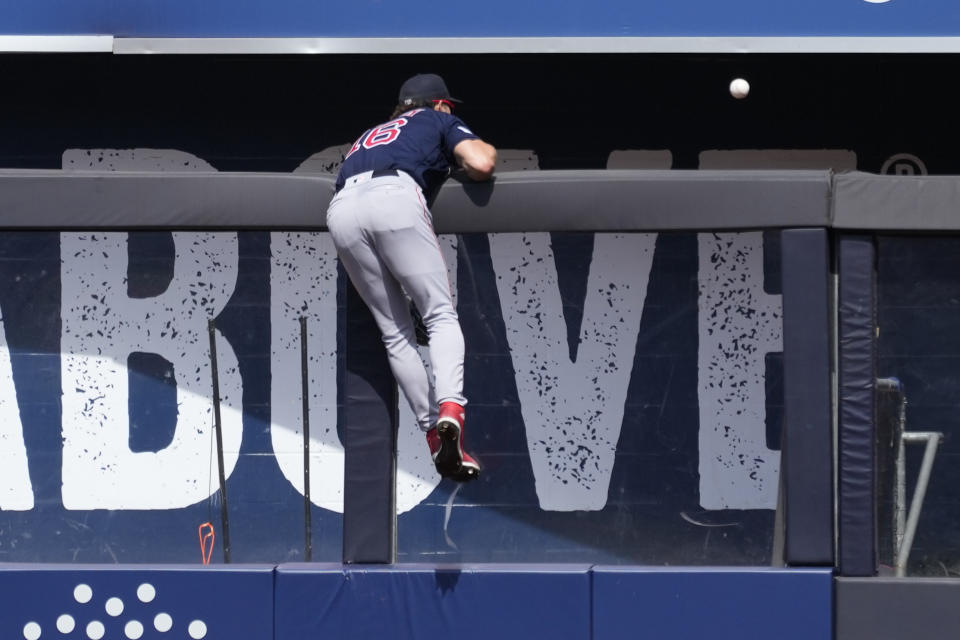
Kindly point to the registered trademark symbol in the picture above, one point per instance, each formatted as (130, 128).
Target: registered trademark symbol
(904, 164)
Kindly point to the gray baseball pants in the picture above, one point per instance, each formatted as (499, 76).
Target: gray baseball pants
(383, 232)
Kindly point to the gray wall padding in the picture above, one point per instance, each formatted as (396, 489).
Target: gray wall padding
(573, 200)
(128, 200)
(896, 608)
(916, 203)
(620, 199)
(515, 201)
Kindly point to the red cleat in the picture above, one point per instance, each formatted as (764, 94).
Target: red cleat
(446, 445)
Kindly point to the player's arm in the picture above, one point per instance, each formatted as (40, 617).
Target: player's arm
(477, 158)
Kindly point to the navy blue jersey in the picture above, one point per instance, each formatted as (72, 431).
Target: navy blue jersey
(419, 142)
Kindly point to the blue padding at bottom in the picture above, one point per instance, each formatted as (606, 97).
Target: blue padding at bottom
(719, 604)
(141, 601)
(465, 602)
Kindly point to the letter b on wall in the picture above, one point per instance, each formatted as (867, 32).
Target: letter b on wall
(102, 326)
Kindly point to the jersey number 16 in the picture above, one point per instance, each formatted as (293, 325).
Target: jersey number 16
(384, 134)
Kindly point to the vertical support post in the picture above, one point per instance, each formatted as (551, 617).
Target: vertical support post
(218, 428)
(807, 449)
(369, 438)
(857, 369)
(305, 396)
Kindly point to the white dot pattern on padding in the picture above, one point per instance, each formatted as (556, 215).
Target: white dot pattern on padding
(82, 593)
(146, 592)
(95, 630)
(162, 622)
(31, 631)
(65, 623)
(114, 607)
(197, 629)
(133, 630)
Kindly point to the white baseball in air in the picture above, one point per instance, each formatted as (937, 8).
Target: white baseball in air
(739, 88)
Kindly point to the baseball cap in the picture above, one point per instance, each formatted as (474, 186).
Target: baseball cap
(425, 86)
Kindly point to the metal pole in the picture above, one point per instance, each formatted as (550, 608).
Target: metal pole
(305, 394)
(932, 439)
(900, 498)
(224, 517)
(900, 471)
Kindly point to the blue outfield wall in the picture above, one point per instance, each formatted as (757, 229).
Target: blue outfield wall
(313, 601)
(106, 398)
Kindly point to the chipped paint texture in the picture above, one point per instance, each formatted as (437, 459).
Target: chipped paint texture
(303, 283)
(517, 160)
(132, 160)
(102, 326)
(326, 161)
(573, 411)
(738, 325)
(16, 491)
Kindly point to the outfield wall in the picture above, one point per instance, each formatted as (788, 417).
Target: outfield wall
(678, 333)
(101, 323)
(109, 381)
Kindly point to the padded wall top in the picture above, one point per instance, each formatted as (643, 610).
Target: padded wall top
(585, 200)
(572, 200)
(915, 202)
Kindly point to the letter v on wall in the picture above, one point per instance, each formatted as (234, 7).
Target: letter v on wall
(573, 410)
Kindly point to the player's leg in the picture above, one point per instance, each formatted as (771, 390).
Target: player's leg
(385, 299)
(413, 255)
(408, 246)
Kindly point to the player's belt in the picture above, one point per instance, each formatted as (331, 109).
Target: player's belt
(370, 175)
